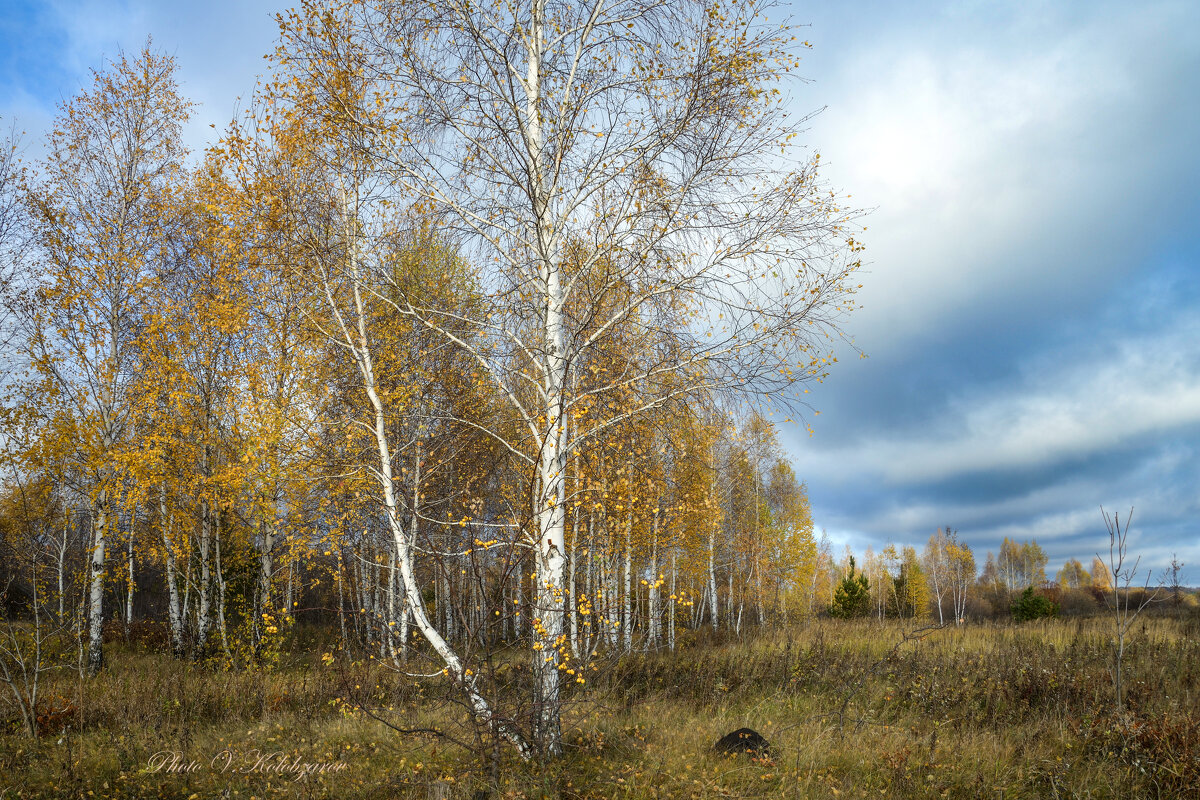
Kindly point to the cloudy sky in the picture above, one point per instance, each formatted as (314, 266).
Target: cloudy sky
(1032, 297)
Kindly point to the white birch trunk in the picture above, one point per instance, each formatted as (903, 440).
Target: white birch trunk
(729, 599)
(341, 579)
(206, 514)
(715, 614)
(715, 606)
(390, 624)
(591, 632)
(266, 569)
(96, 592)
(288, 595)
(755, 551)
(627, 600)
(186, 606)
(129, 587)
(572, 595)
(519, 616)
(654, 621)
(221, 596)
(758, 585)
(62, 569)
(174, 615)
(204, 621)
(671, 605)
(381, 617)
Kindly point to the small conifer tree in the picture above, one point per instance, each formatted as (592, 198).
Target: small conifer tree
(1031, 606)
(852, 597)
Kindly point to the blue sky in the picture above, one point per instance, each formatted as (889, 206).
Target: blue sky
(1031, 308)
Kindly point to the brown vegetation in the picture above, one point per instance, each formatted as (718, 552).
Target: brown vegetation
(972, 710)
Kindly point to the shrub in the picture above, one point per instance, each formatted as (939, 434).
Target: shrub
(1030, 605)
(1078, 603)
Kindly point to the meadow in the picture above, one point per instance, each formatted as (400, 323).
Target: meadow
(852, 709)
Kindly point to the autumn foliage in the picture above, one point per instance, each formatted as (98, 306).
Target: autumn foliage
(367, 362)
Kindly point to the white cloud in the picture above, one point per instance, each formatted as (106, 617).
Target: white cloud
(998, 160)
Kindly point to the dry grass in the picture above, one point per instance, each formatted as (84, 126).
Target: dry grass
(983, 711)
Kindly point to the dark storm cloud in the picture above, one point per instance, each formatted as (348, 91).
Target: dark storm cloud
(1104, 416)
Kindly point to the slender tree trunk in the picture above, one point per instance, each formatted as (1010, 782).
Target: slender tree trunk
(221, 595)
(96, 593)
(653, 622)
(62, 569)
(129, 587)
(289, 596)
(572, 594)
(403, 627)
(593, 599)
(733, 618)
(758, 585)
(263, 607)
(82, 619)
(449, 629)
(362, 577)
(521, 614)
(390, 624)
(341, 578)
(206, 523)
(937, 577)
(613, 599)
(186, 606)
(960, 602)
(715, 615)
(604, 593)
(781, 602)
(174, 614)
(671, 604)
(205, 619)
(627, 604)
(755, 550)
(382, 612)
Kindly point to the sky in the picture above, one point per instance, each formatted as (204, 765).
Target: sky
(1031, 301)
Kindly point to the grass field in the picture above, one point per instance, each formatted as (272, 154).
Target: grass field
(851, 709)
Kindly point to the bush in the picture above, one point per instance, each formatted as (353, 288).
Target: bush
(1079, 603)
(980, 607)
(1031, 605)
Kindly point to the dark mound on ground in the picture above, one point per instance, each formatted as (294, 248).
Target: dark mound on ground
(743, 740)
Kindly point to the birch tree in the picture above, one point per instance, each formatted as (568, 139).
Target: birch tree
(113, 156)
(791, 549)
(656, 132)
(961, 575)
(936, 561)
